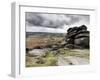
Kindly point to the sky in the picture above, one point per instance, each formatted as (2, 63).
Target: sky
(54, 23)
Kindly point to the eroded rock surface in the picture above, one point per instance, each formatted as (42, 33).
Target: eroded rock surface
(77, 37)
(71, 60)
(37, 52)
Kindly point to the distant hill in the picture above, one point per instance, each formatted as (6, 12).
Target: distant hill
(45, 34)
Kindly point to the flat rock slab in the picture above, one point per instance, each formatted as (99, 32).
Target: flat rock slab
(38, 52)
(71, 60)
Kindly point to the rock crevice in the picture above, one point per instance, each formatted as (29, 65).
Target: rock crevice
(77, 37)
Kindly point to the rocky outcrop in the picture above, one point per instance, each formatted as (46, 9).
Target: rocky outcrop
(77, 37)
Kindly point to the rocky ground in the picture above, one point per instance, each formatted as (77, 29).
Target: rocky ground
(71, 60)
(60, 57)
(73, 49)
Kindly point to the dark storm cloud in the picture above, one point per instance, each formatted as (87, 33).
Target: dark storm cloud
(54, 20)
(79, 18)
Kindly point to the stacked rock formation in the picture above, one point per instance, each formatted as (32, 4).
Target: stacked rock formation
(77, 37)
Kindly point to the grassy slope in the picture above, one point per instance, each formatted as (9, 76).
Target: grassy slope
(51, 57)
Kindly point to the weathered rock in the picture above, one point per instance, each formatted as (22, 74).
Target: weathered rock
(82, 34)
(82, 28)
(72, 60)
(83, 42)
(78, 36)
(28, 49)
(37, 52)
(71, 46)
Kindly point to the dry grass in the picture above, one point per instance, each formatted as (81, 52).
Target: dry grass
(32, 42)
(50, 59)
